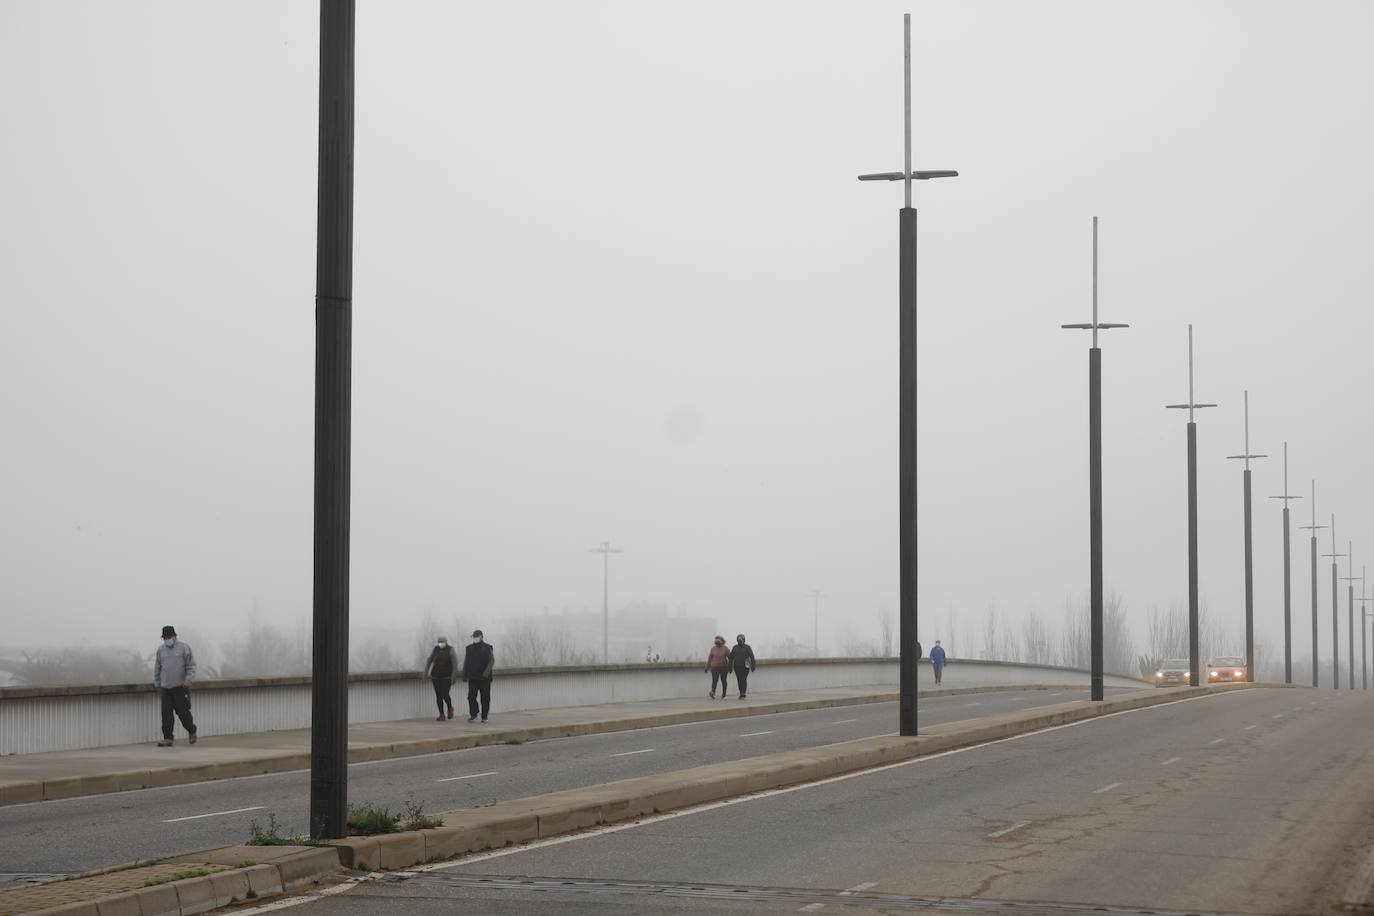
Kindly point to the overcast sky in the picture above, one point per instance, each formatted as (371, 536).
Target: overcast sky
(615, 279)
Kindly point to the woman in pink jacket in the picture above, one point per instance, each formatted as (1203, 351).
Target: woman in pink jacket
(718, 664)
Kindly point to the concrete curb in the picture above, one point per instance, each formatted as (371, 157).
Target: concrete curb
(30, 791)
(209, 892)
(541, 816)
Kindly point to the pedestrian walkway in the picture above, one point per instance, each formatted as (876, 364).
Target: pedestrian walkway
(103, 884)
(93, 771)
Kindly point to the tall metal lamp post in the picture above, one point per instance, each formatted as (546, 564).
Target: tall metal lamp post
(1314, 528)
(906, 426)
(605, 549)
(333, 425)
(1364, 640)
(1194, 665)
(1350, 608)
(816, 595)
(1288, 583)
(1095, 482)
(1249, 553)
(1335, 611)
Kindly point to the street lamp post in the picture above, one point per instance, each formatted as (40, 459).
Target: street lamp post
(1249, 554)
(1288, 585)
(1350, 581)
(816, 595)
(906, 425)
(333, 425)
(605, 549)
(1364, 640)
(1194, 665)
(1335, 612)
(1095, 483)
(1314, 528)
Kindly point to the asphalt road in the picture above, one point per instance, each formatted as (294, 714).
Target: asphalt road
(71, 835)
(1238, 803)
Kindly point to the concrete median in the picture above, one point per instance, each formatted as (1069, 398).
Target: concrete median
(520, 820)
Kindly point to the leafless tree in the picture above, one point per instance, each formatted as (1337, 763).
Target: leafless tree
(524, 645)
(885, 633)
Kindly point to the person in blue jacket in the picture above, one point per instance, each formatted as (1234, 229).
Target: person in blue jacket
(937, 660)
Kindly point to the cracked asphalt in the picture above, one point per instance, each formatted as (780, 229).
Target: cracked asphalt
(1247, 802)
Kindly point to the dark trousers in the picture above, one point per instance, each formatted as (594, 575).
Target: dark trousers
(442, 686)
(742, 679)
(939, 670)
(723, 678)
(178, 700)
(482, 687)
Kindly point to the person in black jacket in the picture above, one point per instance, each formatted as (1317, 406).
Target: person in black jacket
(478, 662)
(742, 660)
(442, 670)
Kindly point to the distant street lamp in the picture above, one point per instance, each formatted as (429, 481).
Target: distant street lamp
(1095, 484)
(1335, 612)
(1314, 528)
(605, 549)
(1249, 554)
(1288, 585)
(816, 596)
(1350, 609)
(1194, 665)
(906, 407)
(1364, 640)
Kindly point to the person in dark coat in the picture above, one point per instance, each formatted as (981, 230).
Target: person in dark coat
(478, 662)
(442, 670)
(937, 660)
(742, 660)
(174, 668)
(718, 666)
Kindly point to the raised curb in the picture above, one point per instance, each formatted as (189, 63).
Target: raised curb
(210, 892)
(541, 816)
(30, 791)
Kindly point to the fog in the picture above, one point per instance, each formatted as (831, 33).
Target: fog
(615, 280)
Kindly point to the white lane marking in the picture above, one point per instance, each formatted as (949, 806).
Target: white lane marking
(1247, 728)
(769, 793)
(857, 888)
(1107, 788)
(196, 817)
(289, 902)
(1006, 830)
(1061, 693)
(843, 721)
(754, 734)
(469, 776)
(1171, 760)
(1297, 709)
(1216, 741)
(811, 908)
(647, 750)
(1278, 715)
(973, 704)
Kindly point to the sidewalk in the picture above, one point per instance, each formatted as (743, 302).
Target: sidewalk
(65, 774)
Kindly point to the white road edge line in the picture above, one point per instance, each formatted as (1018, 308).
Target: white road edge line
(1006, 830)
(1171, 760)
(1107, 788)
(769, 793)
(647, 750)
(469, 776)
(754, 734)
(196, 817)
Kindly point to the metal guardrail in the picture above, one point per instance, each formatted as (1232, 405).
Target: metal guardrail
(39, 719)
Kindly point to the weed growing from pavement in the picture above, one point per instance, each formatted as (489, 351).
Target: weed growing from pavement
(270, 835)
(181, 876)
(369, 819)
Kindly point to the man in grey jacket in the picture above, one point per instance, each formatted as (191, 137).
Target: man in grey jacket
(173, 671)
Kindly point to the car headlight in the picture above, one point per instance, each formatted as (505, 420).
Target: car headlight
(1187, 675)
(1240, 674)
(1159, 674)
(1216, 674)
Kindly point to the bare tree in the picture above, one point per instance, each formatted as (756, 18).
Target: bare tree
(885, 633)
(264, 650)
(524, 645)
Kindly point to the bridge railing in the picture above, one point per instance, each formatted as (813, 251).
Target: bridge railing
(38, 719)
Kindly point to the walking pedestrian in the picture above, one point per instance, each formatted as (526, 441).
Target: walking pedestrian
(174, 668)
(718, 665)
(937, 660)
(442, 670)
(742, 660)
(478, 662)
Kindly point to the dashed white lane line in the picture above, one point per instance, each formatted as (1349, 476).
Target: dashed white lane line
(1006, 830)
(1247, 728)
(1171, 760)
(857, 888)
(196, 817)
(843, 721)
(1278, 715)
(973, 704)
(754, 734)
(647, 750)
(1107, 788)
(1059, 694)
(469, 776)
(1216, 741)
(811, 908)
